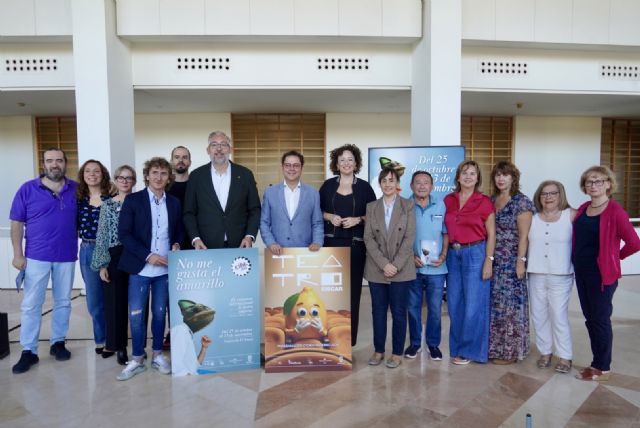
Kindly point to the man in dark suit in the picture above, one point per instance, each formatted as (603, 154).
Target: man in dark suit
(221, 207)
(150, 226)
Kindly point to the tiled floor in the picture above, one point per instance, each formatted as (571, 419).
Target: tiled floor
(83, 392)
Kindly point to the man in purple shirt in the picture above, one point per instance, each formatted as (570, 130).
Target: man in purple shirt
(44, 213)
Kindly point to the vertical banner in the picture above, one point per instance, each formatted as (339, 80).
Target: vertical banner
(307, 316)
(440, 161)
(214, 299)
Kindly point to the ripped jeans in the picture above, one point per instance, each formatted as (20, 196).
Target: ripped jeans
(138, 292)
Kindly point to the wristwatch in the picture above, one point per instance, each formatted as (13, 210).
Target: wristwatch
(523, 258)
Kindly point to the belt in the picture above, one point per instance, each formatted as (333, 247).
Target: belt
(88, 241)
(457, 245)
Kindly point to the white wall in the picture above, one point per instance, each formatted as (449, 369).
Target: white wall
(556, 148)
(157, 134)
(367, 130)
(387, 18)
(16, 144)
(595, 22)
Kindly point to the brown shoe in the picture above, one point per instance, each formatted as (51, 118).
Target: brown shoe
(501, 362)
(563, 366)
(590, 373)
(544, 361)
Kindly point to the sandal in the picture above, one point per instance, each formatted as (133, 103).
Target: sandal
(563, 366)
(544, 361)
(590, 373)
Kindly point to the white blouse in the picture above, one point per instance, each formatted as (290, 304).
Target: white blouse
(550, 245)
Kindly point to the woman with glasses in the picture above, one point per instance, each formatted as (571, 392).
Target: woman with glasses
(470, 222)
(105, 260)
(343, 200)
(509, 316)
(600, 224)
(94, 187)
(551, 274)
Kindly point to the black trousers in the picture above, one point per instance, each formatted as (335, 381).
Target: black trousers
(597, 307)
(358, 258)
(116, 303)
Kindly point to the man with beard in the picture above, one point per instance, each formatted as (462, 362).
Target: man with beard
(221, 206)
(44, 210)
(180, 162)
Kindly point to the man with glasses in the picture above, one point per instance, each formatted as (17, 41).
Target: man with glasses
(46, 209)
(289, 208)
(221, 207)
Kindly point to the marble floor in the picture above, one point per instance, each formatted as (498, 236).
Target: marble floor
(83, 392)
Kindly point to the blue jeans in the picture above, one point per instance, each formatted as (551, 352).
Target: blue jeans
(35, 286)
(138, 293)
(433, 286)
(95, 297)
(468, 303)
(383, 296)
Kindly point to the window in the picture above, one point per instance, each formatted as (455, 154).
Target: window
(487, 140)
(620, 151)
(259, 141)
(58, 132)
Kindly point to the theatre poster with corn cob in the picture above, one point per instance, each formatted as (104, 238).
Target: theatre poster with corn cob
(307, 317)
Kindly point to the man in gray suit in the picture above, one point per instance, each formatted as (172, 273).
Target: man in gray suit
(291, 214)
(221, 205)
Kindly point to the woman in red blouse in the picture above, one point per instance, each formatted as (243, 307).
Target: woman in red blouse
(470, 221)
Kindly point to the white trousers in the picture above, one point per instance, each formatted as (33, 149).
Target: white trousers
(549, 297)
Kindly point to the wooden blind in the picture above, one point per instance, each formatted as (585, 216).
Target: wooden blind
(487, 140)
(259, 141)
(620, 151)
(61, 133)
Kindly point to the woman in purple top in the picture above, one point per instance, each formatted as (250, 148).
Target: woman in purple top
(94, 186)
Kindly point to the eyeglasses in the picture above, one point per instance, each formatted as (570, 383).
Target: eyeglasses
(549, 194)
(122, 179)
(597, 183)
(219, 145)
(292, 165)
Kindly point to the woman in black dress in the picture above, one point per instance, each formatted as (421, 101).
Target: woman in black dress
(343, 200)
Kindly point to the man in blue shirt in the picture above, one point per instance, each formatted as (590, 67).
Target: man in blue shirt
(430, 252)
(44, 211)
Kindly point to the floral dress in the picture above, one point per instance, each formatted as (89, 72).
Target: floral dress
(509, 315)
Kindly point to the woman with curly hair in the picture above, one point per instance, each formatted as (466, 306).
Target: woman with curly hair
(343, 200)
(94, 186)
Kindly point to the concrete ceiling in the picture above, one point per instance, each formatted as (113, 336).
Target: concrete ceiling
(394, 100)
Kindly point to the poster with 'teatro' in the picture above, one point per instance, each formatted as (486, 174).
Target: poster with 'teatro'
(307, 318)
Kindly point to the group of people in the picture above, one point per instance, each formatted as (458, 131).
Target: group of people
(481, 247)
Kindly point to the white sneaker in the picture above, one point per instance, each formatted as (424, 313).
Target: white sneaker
(161, 364)
(133, 368)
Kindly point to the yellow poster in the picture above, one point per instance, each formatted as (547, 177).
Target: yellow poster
(307, 317)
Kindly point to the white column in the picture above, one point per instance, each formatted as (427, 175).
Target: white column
(436, 81)
(103, 85)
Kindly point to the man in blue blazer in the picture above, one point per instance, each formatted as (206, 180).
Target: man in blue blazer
(150, 226)
(291, 215)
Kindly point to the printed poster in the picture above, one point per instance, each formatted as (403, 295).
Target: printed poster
(214, 302)
(307, 316)
(440, 161)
